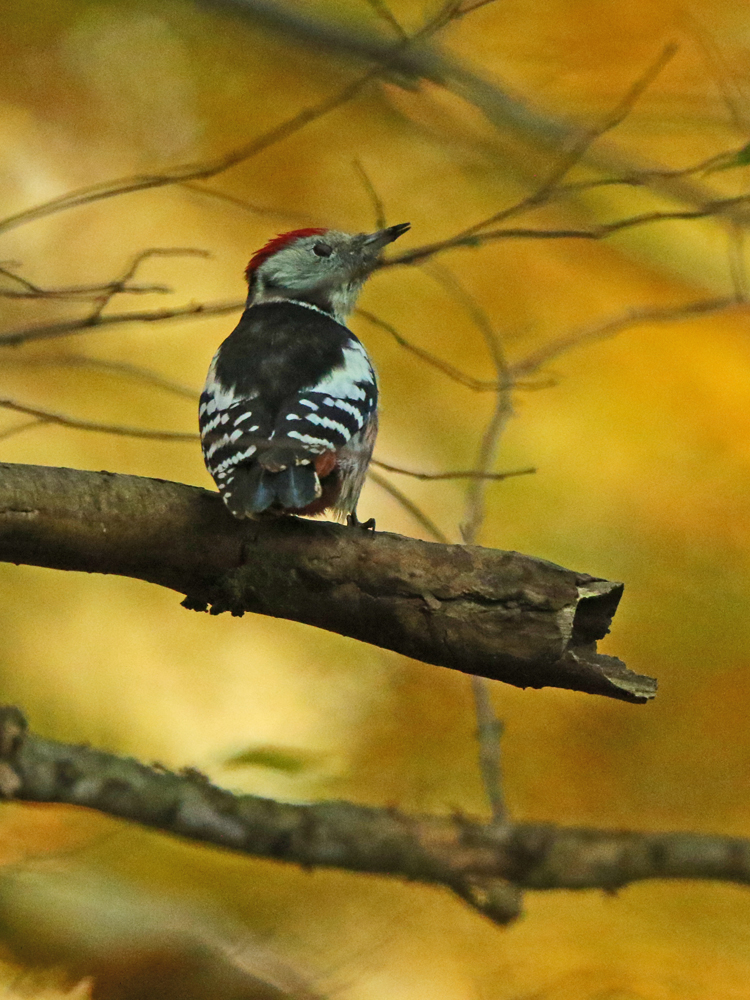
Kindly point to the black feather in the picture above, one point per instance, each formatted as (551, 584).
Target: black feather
(253, 489)
(296, 486)
(267, 354)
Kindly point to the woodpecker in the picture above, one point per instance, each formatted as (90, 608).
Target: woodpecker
(289, 413)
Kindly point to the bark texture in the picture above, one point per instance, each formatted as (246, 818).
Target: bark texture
(485, 612)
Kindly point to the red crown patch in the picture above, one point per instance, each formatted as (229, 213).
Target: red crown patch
(276, 244)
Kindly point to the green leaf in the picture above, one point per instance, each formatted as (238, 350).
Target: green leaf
(273, 757)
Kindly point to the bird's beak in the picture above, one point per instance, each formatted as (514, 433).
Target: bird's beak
(376, 241)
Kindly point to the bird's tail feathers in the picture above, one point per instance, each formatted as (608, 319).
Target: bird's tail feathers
(255, 489)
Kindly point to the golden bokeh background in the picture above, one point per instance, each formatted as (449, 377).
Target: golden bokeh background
(640, 442)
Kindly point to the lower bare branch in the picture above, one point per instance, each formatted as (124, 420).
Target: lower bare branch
(497, 614)
(476, 860)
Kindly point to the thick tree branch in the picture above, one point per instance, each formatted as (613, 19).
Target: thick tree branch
(496, 614)
(476, 860)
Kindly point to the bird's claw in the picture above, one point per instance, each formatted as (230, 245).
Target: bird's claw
(354, 522)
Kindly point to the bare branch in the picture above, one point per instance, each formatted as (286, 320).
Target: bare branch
(29, 290)
(732, 96)
(409, 506)
(66, 327)
(137, 372)
(49, 417)
(470, 858)
(44, 416)
(548, 190)
(609, 327)
(488, 448)
(737, 264)
(207, 169)
(445, 367)
(190, 171)
(376, 200)
(471, 7)
(489, 727)
(716, 207)
(247, 206)
(497, 614)
(503, 406)
(119, 285)
(404, 58)
(641, 178)
(620, 112)
(489, 733)
(467, 474)
(101, 293)
(445, 277)
(384, 12)
(27, 425)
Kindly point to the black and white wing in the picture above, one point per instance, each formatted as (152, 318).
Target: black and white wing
(281, 412)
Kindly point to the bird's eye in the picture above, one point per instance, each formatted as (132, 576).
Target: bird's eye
(322, 250)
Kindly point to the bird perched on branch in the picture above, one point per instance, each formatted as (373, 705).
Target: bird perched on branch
(289, 412)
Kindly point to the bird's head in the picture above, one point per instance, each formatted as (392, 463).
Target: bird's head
(322, 267)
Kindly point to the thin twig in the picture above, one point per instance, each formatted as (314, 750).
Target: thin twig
(119, 284)
(732, 96)
(375, 199)
(105, 291)
(445, 277)
(737, 263)
(609, 327)
(716, 207)
(50, 417)
(43, 416)
(141, 374)
(247, 206)
(479, 385)
(640, 178)
(383, 11)
(467, 474)
(488, 735)
(27, 425)
(64, 328)
(470, 8)
(82, 325)
(476, 494)
(503, 411)
(581, 145)
(29, 290)
(190, 171)
(206, 169)
(416, 512)
(489, 727)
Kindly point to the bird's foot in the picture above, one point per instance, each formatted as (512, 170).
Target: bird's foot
(354, 522)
